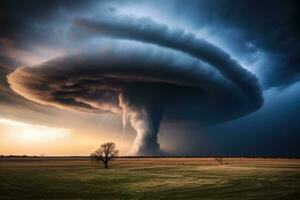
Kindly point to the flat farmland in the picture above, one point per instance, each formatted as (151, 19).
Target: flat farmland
(149, 178)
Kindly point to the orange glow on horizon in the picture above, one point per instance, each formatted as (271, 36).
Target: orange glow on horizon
(20, 138)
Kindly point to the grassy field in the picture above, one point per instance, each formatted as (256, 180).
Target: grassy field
(150, 178)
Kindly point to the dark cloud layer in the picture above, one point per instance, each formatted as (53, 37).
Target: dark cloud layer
(183, 77)
(264, 35)
(271, 27)
(146, 30)
(101, 75)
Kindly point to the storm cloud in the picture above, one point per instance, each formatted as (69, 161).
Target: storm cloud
(177, 61)
(147, 73)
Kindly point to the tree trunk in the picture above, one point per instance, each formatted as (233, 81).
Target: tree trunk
(106, 164)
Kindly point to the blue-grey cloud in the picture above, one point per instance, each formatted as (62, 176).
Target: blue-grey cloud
(270, 27)
(262, 37)
(158, 73)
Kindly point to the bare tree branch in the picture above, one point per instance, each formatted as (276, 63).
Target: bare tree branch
(105, 153)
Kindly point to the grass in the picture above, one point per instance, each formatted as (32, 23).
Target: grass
(140, 179)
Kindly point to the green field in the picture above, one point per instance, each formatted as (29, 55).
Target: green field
(152, 178)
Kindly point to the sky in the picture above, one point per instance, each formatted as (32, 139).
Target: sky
(202, 78)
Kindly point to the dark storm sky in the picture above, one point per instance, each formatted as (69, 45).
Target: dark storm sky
(262, 36)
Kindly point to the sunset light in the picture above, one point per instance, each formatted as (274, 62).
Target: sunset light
(24, 132)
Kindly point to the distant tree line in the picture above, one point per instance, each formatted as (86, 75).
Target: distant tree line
(17, 156)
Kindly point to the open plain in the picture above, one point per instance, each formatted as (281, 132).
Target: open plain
(149, 178)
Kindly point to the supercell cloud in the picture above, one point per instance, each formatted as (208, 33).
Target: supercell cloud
(144, 71)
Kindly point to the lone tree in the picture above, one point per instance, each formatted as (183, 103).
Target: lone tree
(105, 153)
(219, 160)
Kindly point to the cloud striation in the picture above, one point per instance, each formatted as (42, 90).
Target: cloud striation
(145, 71)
